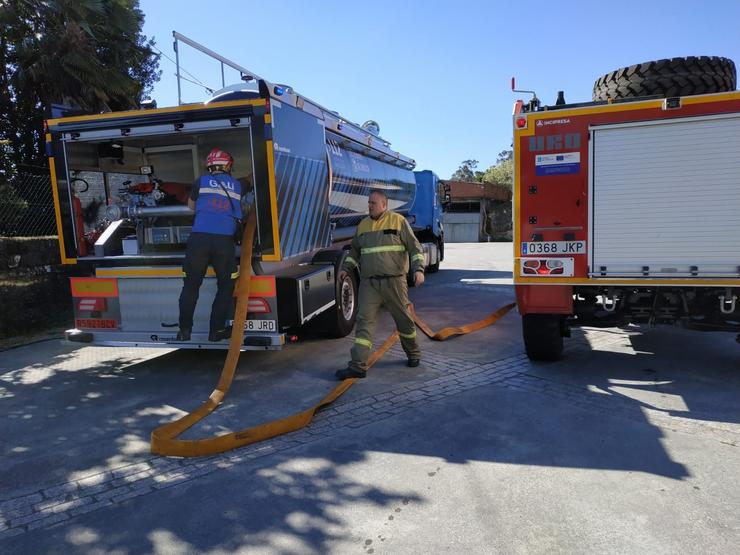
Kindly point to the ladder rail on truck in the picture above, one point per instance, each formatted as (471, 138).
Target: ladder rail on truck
(626, 212)
(121, 181)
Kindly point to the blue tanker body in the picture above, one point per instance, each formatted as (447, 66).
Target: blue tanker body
(311, 171)
(354, 175)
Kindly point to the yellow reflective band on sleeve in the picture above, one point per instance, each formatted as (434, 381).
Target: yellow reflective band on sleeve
(411, 335)
(364, 342)
(235, 275)
(350, 260)
(417, 257)
(387, 248)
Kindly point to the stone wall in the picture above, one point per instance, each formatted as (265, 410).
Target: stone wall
(34, 286)
(498, 224)
(491, 223)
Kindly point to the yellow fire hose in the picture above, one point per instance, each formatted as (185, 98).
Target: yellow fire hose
(164, 439)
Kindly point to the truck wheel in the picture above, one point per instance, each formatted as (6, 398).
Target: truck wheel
(339, 320)
(543, 338)
(669, 77)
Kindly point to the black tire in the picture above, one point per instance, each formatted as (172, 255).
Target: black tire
(339, 320)
(668, 78)
(543, 336)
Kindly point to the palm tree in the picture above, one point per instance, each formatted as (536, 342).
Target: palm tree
(88, 54)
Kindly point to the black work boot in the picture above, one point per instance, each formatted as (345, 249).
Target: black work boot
(412, 362)
(219, 335)
(346, 373)
(184, 334)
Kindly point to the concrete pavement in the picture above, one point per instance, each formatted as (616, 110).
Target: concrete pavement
(628, 445)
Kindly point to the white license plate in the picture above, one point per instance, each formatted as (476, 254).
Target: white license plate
(553, 247)
(259, 325)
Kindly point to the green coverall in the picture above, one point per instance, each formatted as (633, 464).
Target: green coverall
(382, 249)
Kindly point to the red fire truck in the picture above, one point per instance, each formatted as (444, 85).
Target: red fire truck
(627, 208)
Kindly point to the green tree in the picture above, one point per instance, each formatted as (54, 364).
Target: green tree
(466, 171)
(504, 156)
(88, 54)
(501, 173)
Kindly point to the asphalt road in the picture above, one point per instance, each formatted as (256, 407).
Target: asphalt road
(627, 445)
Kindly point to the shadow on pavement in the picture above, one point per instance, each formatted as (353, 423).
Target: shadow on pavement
(591, 410)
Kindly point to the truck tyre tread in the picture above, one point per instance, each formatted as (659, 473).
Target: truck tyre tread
(543, 339)
(668, 77)
(333, 322)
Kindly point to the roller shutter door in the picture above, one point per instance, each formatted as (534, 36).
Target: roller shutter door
(666, 199)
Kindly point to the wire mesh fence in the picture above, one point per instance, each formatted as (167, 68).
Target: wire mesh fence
(27, 206)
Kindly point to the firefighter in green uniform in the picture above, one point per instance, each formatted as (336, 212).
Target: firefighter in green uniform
(382, 247)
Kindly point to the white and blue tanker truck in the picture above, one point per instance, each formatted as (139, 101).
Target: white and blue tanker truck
(121, 182)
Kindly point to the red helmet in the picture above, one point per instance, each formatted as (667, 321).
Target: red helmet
(218, 157)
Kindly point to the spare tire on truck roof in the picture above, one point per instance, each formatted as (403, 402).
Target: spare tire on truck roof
(670, 77)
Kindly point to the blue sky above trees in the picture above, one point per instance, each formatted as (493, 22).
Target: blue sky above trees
(435, 75)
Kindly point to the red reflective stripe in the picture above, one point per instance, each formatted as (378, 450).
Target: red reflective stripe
(96, 323)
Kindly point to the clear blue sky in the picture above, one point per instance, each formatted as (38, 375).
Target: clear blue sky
(435, 74)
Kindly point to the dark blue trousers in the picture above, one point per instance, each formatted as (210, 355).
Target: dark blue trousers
(218, 251)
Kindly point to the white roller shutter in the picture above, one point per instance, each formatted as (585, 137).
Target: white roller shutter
(666, 198)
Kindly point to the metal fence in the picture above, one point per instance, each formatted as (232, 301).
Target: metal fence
(27, 206)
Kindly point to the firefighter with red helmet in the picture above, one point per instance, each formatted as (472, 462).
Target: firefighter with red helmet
(219, 202)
